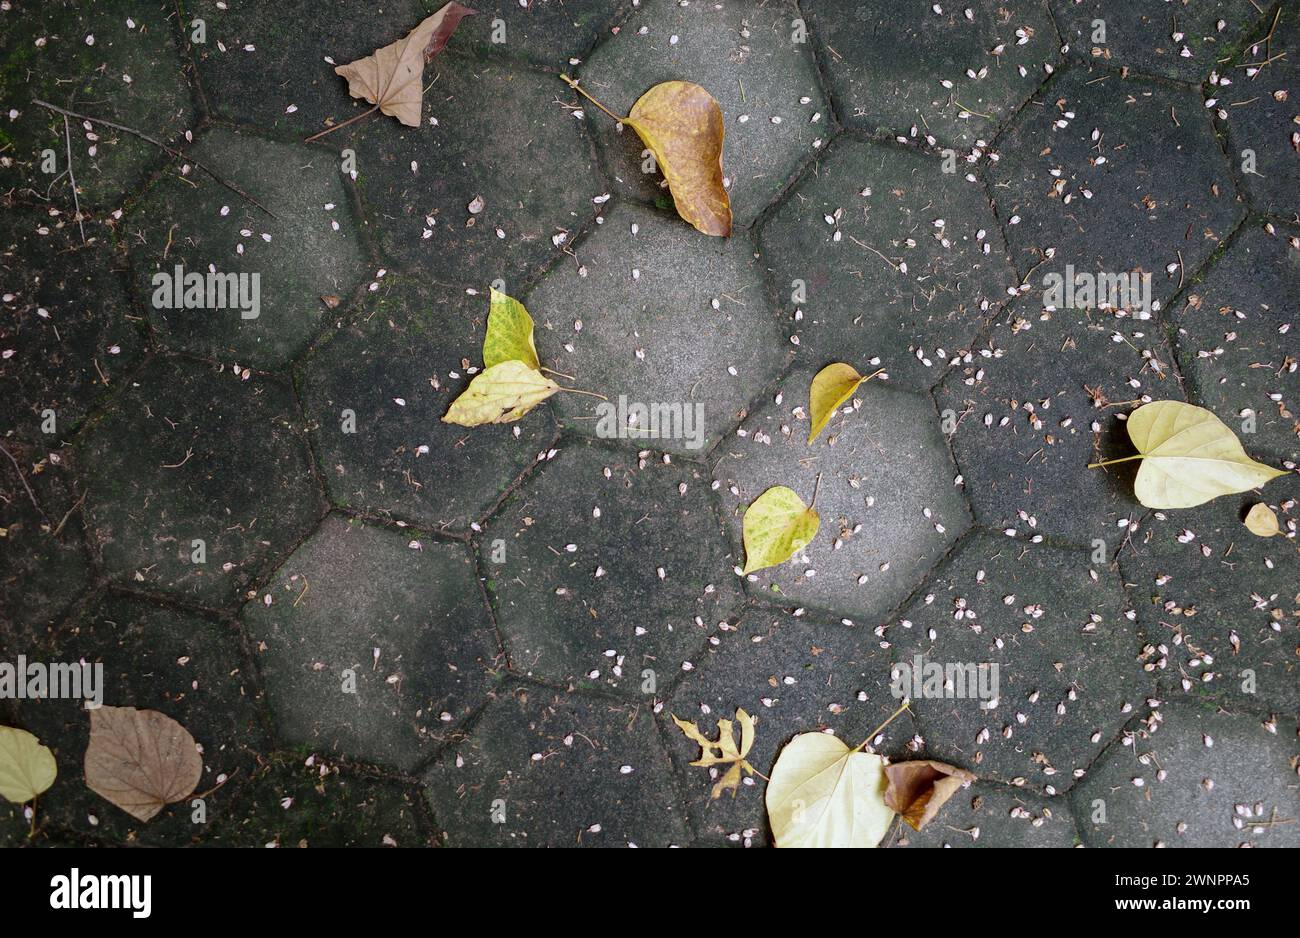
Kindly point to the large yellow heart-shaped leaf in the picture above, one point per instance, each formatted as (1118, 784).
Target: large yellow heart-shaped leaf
(831, 387)
(682, 125)
(26, 767)
(776, 524)
(509, 333)
(500, 394)
(823, 794)
(1188, 457)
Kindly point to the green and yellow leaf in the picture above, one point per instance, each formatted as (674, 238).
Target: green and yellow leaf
(500, 394)
(509, 333)
(776, 525)
(831, 387)
(26, 767)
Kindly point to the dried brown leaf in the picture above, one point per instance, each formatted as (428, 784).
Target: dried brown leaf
(917, 790)
(141, 760)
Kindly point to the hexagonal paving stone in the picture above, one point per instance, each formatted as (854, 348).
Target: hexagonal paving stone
(613, 566)
(744, 53)
(548, 32)
(297, 802)
(1213, 761)
(1259, 111)
(1239, 339)
(943, 267)
(990, 815)
(192, 222)
(153, 657)
(1066, 658)
(1184, 42)
(67, 333)
(501, 135)
(545, 769)
(955, 74)
(400, 458)
(397, 619)
(41, 572)
(888, 506)
(189, 453)
(1037, 402)
(628, 321)
(793, 674)
(1130, 213)
(120, 63)
(1222, 602)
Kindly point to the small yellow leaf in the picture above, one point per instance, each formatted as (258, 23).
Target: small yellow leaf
(775, 526)
(26, 767)
(1261, 521)
(725, 746)
(509, 333)
(500, 394)
(832, 386)
(823, 794)
(682, 125)
(1188, 457)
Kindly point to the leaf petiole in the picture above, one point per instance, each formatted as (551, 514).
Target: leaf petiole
(1111, 462)
(907, 704)
(574, 85)
(588, 393)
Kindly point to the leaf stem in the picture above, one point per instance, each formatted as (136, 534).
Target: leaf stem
(554, 372)
(574, 85)
(816, 487)
(1111, 462)
(907, 704)
(351, 120)
(588, 393)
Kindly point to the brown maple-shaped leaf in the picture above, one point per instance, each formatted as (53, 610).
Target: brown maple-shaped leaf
(141, 760)
(392, 78)
(917, 790)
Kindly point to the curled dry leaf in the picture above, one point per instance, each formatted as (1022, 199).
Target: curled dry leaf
(1261, 521)
(824, 794)
(917, 790)
(509, 333)
(831, 387)
(775, 526)
(140, 760)
(1189, 456)
(26, 767)
(391, 78)
(500, 394)
(725, 747)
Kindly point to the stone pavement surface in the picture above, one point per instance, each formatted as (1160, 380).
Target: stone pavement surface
(387, 630)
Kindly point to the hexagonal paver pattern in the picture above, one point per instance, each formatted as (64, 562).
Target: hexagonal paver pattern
(548, 32)
(748, 56)
(153, 657)
(65, 334)
(612, 566)
(1037, 402)
(101, 60)
(953, 73)
(1222, 602)
(645, 288)
(193, 223)
(1001, 816)
(793, 674)
(1066, 658)
(397, 369)
(886, 260)
(1196, 766)
(1259, 110)
(1185, 41)
(523, 154)
(1239, 338)
(888, 506)
(372, 643)
(544, 769)
(191, 453)
(1132, 212)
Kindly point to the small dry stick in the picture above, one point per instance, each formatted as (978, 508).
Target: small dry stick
(76, 203)
(23, 479)
(156, 142)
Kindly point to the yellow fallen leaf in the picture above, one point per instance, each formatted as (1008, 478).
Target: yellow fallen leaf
(682, 125)
(1188, 457)
(1261, 521)
(500, 394)
(823, 794)
(392, 78)
(509, 333)
(918, 789)
(831, 387)
(725, 745)
(26, 767)
(141, 760)
(775, 526)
